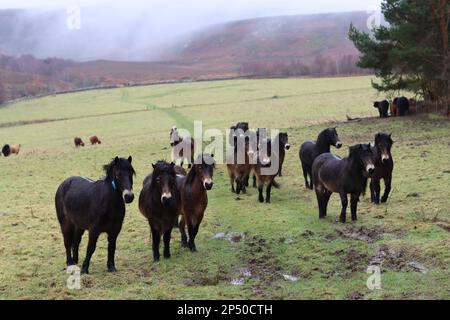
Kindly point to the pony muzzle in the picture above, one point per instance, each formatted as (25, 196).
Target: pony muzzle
(165, 197)
(128, 196)
(287, 146)
(208, 183)
(370, 168)
(385, 158)
(338, 144)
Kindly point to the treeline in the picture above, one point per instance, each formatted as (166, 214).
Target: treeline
(29, 64)
(320, 66)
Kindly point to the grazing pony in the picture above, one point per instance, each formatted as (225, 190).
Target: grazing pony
(78, 142)
(343, 176)
(384, 165)
(82, 204)
(160, 203)
(94, 140)
(265, 159)
(310, 150)
(239, 166)
(8, 150)
(179, 144)
(383, 108)
(194, 197)
(403, 106)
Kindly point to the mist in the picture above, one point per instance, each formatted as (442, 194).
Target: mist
(135, 30)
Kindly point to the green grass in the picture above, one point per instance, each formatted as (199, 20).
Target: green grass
(285, 237)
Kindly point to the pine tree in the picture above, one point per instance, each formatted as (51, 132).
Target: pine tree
(412, 51)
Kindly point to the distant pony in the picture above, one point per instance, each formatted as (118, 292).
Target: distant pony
(383, 108)
(78, 142)
(8, 150)
(94, 140)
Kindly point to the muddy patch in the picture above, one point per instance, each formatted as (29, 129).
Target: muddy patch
(398, 259)
(363, 234)
(444, 226)
(355, 296)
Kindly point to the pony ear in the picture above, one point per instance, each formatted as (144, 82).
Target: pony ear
(130, 159)
(116, 160)
(153, 166)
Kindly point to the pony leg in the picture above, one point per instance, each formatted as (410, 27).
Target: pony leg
(68, 234)
(260, 192)
(268, 190)
(182, 228)
(232, 183)
(344, 202)
(76, 245)
(311, 185)
(93, 237)
(156, 239)
(305, 175)
(354, 206)
(377, 190)
(387, 191)
(372, 191)
(112, 238)
(322, 199)
(166, 238)
(192, 233)
(254, 181)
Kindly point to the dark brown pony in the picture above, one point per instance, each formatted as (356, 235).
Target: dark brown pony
(160, 203)
(310, 150)
(383, 108)
(384, 166)
(343, 176)
(283, 147)
(94, 140)
(83, 204)
(194, 197)
(78, 142)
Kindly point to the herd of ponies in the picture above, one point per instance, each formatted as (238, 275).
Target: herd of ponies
(173, 197)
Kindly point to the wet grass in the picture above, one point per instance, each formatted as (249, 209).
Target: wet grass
(267, 242)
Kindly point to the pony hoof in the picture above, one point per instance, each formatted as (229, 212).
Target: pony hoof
(167, 256)
(383, 200)
(184, 244)
(84, 271)
(155, 259)
(268, 201)
(112, 269)
(193, 248)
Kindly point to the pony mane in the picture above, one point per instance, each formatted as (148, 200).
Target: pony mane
(121, 163)
(163, 167)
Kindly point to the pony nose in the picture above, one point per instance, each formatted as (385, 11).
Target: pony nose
(371, 171)
(338, 144)
(165, 198)
(209, 185)
(128, 197)
(288, 146)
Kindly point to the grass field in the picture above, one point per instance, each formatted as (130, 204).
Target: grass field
(409, 234)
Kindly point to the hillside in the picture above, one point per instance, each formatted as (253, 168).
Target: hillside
(305, 45)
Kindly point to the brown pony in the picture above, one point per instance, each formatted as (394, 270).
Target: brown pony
(265, 158)
(8, 150)
(78, 142)
(194, 197)
(94, 140)
(239, 166)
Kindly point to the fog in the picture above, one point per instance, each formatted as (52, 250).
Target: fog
(133, 30)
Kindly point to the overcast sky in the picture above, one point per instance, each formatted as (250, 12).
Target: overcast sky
(229, 8)
(131, 27)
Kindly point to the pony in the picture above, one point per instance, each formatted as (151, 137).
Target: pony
(283, 147)
(82, 204)
(244, 126)
(94, 140)
(160, 203)
(239, 172)
(179, 144)
(78, 142)
(343, 176)
(194, 198)
(8, 150)
(310, 150)
(383, 108)
(265, 159)
(384, 166)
